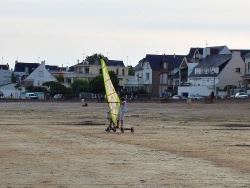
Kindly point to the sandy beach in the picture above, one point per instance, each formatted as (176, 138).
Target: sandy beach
(63, 145)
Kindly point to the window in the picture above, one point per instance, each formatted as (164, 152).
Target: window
(26, 69)
(117, 71)
(40, 74)
(87, 70)
(123, 72)
(248, 72)
(237, 70)
(165, 65)
(196, 55)
(163, 78)
(147, 76)
(210, 70)
(176, 82)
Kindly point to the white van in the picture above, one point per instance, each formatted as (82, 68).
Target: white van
(30, 96)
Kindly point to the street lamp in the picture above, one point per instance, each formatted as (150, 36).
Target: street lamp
(170, 79)
(138, 78)
(20, 87)
(214, 82)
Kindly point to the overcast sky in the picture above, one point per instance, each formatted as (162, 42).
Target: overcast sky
(62, 31)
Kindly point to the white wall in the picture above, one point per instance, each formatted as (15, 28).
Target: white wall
(8, 89)
(5, 77)
(228, 76)
(247, 61)
(40, 75)
(146, 70)
(192, 90)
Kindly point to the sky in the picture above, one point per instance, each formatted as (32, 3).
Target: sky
(63, 31)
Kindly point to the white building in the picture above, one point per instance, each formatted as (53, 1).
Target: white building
(39, 76)
(218, 68)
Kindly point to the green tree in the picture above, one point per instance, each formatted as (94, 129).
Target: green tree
(80, 86)
(60, 78)
(29, 88)
(131, 72)
(96, 85)
(55, 88)
(95, 58)
(39, 89)
(13, 79)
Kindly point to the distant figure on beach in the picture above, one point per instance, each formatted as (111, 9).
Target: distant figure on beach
(212, 95)
(84, 103)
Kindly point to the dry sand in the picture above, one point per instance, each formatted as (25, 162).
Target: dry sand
(174, 145)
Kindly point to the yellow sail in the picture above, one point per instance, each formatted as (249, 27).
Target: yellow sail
(112, 97)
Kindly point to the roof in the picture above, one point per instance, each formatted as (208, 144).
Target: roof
(108, 63)
(215, 50)
(214, 60)
(156, 61)
(243, 53)
(20, 67)
(192, 50)
(138, 67)
(115, 63)
(247, 55)
(55, 68)
(211, 61)
(4, 67)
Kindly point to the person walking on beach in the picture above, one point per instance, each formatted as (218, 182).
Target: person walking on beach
(123, 110)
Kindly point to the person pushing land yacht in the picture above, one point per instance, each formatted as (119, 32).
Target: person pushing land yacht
(123, 110)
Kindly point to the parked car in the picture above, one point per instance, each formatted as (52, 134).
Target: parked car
(196, 96)
(176, 97)
(130, 97)
(57, 96)
(241, 95)
(94, 96)
(30, 96)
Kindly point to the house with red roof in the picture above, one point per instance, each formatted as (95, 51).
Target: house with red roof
(156, 74)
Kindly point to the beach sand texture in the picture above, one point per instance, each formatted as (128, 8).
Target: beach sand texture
(61, 144)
